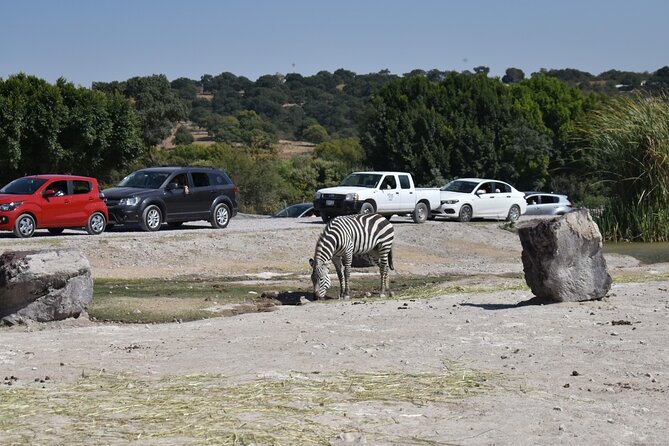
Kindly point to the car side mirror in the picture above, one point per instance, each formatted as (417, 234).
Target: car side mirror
(171, 186)
(49, 193)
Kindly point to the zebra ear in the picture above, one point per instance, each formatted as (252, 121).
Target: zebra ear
(311, 262)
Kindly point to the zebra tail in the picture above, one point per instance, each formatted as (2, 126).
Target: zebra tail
(390, 260)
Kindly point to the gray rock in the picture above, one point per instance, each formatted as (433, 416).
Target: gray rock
(44, 285)
(563, 259)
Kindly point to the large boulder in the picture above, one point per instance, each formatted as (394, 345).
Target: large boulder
(44, 285)
(563, 259)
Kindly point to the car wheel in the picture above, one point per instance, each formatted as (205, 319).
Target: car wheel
(420, 213)
(56, 231)
(514, 213)
(151, 219)
(325, 217)
(221, 216)
(465, 214)
(96, 223)
(24, 226)
(174, 224)
(366, 208)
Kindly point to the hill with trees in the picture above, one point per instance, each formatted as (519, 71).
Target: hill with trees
(531, 131)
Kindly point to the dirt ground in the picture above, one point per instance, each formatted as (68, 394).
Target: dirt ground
(570, 373)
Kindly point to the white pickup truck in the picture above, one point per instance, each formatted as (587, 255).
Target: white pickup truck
(385, 193)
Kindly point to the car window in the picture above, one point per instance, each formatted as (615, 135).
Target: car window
(502, 188)
(180, 180)
(23, 186)
(404, 182)
(464, 187)
(218, 179)
(200, 179)
(81, 187)
(60, 188)
(389, 182)
(532, 199)
(549, 199)
(144, 179)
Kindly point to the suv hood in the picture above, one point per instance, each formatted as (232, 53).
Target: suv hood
(122, 192)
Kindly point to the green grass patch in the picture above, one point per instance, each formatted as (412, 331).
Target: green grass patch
(300, 408)
(157, 300)
(154, 300)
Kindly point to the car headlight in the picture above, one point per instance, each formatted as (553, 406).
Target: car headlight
(10, 206)
(351, 197)
(449, 201)
(130, 201)
(317, 196)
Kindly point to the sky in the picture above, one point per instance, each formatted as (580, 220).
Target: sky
(86, 41)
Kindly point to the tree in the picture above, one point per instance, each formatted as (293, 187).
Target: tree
(158, 107)
(315, 133)
(403, 129)
(61, 128)
(183, 136)
(513, 76)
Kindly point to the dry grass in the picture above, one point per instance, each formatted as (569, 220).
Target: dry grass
(209, 409)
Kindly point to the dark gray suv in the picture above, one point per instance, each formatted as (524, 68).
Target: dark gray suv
(172, 195)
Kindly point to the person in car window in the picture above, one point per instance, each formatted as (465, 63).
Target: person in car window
(180, 182)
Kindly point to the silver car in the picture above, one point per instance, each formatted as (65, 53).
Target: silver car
(544, 203)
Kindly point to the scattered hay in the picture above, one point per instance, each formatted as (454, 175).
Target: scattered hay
(208, 409)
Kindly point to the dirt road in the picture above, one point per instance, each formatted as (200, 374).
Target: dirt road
(469, 367)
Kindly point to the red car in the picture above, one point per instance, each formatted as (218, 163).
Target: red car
(52, 202)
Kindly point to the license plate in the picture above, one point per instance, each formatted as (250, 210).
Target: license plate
(329, 202)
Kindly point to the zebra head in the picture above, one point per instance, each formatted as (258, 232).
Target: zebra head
(320, 278)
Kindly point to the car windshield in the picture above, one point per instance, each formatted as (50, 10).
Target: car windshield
(144, 179)
(462, 186)
(294, 210)
(23, 186)
(362, 180)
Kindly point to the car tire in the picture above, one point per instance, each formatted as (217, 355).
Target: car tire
(514, 213)
(221, 216)
(420, 213)
(366, 208)
(96, 223)
(24, 227)
(55, 231)
(465, 214)
(325, 217)
(151, 219)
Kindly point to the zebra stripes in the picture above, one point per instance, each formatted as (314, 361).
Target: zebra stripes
(342, 238)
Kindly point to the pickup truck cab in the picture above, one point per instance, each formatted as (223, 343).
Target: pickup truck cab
(385, 193)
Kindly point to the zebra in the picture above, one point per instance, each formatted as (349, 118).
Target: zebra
(345, 236)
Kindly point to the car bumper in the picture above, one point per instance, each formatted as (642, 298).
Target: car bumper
(122, 214)
(7, 220)
(337, 207)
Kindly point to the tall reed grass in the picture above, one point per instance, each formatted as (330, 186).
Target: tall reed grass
(629, 146)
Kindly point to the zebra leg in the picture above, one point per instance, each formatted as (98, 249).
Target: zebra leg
(383, 270)
(336, 261)
(347, 260)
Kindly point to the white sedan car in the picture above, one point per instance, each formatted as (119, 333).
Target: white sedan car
(468, 198)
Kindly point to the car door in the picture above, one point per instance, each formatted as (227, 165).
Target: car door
(503, 199)
(176, 198)
(56, 205)
(202, 193)
(387, 196)
(486, 205)
(407, 194)
(80, 200)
